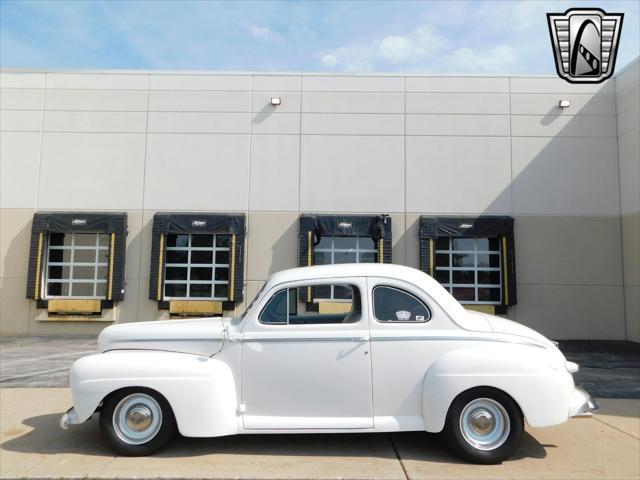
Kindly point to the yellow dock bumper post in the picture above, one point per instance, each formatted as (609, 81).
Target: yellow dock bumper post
(232, 279)
(36, 296)
(431, 257)
(309, 259)
(506, 271)
(160, 260)
(111, 261)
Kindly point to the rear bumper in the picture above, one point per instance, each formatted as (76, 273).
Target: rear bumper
(70, 417)
(582, 404)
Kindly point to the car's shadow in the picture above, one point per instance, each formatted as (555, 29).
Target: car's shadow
(44, 436)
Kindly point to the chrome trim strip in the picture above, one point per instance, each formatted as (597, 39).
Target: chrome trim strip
(449, 339)
(330, 339)
(148, 340)
(306, 339)
(416, 337)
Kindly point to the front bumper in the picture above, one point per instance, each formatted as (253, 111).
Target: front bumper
(582, 404)
(70, 417)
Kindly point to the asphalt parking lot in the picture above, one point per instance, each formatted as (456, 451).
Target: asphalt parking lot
(41, 361)
(33, 377)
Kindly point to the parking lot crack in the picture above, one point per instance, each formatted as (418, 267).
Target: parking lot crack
(395, 450)
(616, 428)
(33, 374)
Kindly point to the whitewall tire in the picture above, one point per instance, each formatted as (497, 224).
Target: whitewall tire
(137, 421)
(484, 425)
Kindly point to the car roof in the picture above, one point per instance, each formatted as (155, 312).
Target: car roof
(388, 270)
(385, 270)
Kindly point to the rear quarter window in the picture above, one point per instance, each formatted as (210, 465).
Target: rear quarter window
(394, 305)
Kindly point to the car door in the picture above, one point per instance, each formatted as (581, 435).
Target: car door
(306, 363)
(409, 330)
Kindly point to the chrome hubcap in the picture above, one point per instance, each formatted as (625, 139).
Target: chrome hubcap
(484, 424)
(137, 418)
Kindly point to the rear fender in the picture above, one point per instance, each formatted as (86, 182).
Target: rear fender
(526, 373)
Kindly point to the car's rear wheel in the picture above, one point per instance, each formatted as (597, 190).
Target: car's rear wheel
(137, 421)
(484, 425)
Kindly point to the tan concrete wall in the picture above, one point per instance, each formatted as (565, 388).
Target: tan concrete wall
(405, 146)
(559, 290)
(628, 109)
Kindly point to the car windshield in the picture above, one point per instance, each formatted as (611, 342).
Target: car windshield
(253, 301)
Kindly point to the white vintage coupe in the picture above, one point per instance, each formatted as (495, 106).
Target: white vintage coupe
(337, 348)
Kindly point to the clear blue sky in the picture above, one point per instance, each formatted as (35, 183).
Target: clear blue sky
(384, 36)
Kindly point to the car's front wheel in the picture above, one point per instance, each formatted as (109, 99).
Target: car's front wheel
(484, 425)
(137, 421)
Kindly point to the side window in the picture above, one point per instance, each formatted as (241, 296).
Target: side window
(391, 304)
(275, 313)
(285, 308)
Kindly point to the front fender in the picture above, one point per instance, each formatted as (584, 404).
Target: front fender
(201, 390)
(527, 373)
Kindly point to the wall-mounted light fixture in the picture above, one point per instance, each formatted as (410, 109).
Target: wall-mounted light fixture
(276, 101)
(564, 103)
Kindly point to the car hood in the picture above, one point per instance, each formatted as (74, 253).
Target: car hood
(204, 336)
(508, 327)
